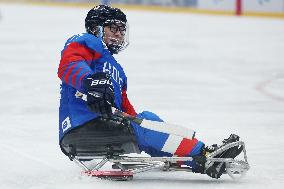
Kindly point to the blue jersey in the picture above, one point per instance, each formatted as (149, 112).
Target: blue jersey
(82, 56)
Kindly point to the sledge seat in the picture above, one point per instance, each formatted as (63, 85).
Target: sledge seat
(100, 137)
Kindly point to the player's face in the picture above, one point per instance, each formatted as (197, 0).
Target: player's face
(114, 33)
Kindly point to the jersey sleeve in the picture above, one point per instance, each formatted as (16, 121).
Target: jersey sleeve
(75, 63)
(126, 105)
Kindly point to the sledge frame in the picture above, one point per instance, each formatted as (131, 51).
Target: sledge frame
(129, 166)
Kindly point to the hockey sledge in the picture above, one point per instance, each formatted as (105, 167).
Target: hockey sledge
(125, 167)
(112, 141)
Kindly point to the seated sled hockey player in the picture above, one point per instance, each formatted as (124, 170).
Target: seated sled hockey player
(93, 82)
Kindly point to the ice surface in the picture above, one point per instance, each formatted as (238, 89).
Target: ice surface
(214, 74)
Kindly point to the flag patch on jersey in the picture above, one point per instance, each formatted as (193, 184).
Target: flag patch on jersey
(66, 124)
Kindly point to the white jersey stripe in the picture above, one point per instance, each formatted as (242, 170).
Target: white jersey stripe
(172, 143)
(168, 128)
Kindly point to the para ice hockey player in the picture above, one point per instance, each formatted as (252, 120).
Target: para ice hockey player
(93, 82)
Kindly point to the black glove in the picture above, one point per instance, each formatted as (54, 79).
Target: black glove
(100, 93)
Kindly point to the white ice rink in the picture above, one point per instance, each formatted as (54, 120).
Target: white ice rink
(215, 74)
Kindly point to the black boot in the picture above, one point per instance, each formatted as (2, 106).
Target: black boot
(216, 169)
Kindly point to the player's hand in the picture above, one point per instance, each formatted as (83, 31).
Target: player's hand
(100, 93)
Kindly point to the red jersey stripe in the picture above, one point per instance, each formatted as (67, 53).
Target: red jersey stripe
(67, 75)
(185, 147)
(74, 76)
(82, 76)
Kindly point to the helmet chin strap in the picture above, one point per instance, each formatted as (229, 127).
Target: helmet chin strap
(98, 31)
